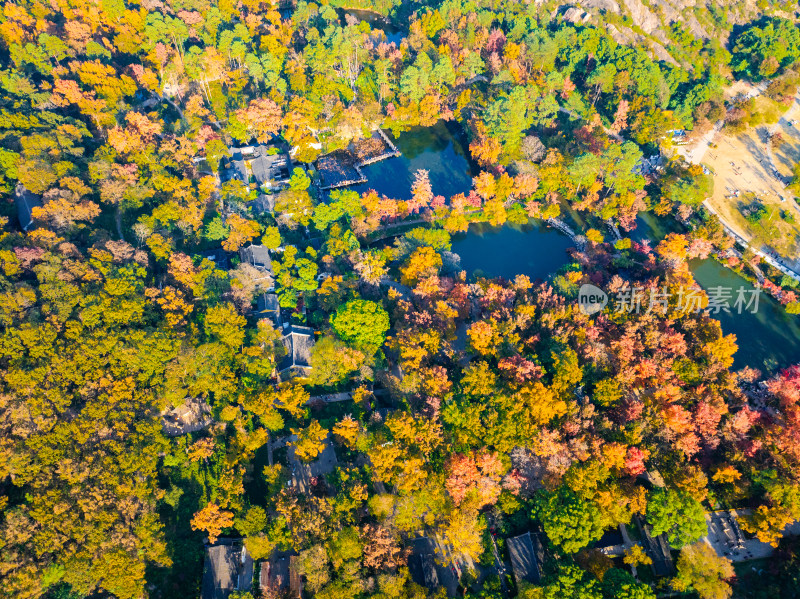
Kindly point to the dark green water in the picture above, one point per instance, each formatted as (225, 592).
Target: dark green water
(650, 227)
(436, 149)
(532, 249)
(767, 340)
(376, 21)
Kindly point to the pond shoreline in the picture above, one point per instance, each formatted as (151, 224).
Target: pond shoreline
(768, 341)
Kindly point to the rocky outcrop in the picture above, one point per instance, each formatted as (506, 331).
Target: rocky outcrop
(627, 36)
(695, 27)
(668, 10)
(621, 37)
(601, 5)
(642, 16)
(661, 53)
(576, 16)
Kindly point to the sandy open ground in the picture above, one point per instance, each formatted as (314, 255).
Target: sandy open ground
(744, 163)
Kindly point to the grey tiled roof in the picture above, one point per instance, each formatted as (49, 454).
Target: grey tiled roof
(258, 161)
(298, 341)
(268, 306)
(258, 256)
(264, 203)
(275, 573)
(268, 302)
(218, 256)
(527, 556)
(227, 568)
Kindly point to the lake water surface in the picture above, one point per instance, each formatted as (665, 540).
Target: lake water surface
(533, 249)
(767, 340)
(377, 21)
(438, 149)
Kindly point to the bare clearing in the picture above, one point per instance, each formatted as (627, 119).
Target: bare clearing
(744, 176)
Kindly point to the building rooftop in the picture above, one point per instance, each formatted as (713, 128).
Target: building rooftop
(428, 566)
(218, 256)
(268, 306)
(727, 539)
(295, 579)
(527, 557)
(228, 567)
(264, 203)
(298, 341)
(265, 164)
(258, 256)
(269, 168)
(303, 473)
(279, 574)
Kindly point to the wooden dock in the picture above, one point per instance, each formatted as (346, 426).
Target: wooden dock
(361, 179)
(348, 160)
(392, 153)
(395, 152)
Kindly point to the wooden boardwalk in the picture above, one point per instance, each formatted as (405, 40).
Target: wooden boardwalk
(362, 179)
(393, 152)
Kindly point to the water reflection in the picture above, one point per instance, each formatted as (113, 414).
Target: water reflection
(377, 21)
(651, 227)
(436, 149)
(768, 340)
(532, 249)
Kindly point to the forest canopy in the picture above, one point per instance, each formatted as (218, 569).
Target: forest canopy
(202, 345)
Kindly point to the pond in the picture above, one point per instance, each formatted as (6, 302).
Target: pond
(533, 249)
(438, 149)
(651, 227)
(768, 340)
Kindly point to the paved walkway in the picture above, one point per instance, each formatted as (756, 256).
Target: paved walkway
(330, 398)
(768, 258)
(403, 290)
(695, 155)
(727, 539)
(698, 151)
